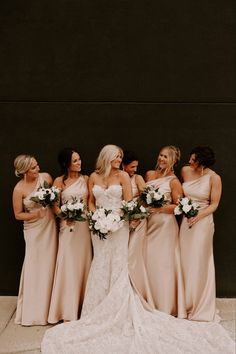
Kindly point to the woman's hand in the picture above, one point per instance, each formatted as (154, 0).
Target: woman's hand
(70, 222)
(154, 210)
(133, 224)
(193, 220)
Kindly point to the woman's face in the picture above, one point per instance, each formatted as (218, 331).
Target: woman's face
(131, 168)
(193, 162)
(162, 159)
(117, 161)
(34, 169)
(75, 165)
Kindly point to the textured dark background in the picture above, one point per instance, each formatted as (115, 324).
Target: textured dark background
(137, 74)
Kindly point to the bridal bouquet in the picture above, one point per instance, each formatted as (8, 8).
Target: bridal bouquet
(133, 210)
(152, 197)
(102, 222)
(46, 195)
(73, 210)
(186, 207)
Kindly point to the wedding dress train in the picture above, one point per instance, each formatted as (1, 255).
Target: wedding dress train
(113, 318)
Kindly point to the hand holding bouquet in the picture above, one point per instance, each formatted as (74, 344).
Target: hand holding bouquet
(152, 197)
(102, 222)
(186, 207)
(73, 211)
(46, 195)
(133, 210)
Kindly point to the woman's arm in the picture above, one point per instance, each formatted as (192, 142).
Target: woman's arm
(149, 176)
(216, 190)
(58, 183)
(91, 199)
(47, 178)
(20, 214)
(140, 183)
(126, 186)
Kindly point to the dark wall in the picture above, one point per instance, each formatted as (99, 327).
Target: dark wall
(140, 75)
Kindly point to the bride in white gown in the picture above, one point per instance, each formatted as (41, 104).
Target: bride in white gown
(113, 319)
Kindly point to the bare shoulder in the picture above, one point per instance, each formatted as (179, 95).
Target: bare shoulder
(18, 187)
(185, 171)
(123, 175)
(139, 178)
(93, 178)
(175, 181)
(86, 178)
(58, 181)
(93, 175)
(151, 174)
(47, 177)
(215, 178)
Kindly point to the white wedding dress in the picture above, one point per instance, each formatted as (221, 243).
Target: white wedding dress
(114, 320)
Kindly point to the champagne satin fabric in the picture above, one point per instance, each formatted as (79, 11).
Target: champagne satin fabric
(38, 268)
(137, 269)
(162, 257)
(196, 246)
(73, 263)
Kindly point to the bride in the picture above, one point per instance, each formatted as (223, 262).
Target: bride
(113, 319)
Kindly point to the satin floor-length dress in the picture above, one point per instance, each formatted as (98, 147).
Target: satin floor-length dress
(73, 262)
(162, 257)
(39, 264)
(196, 247)
(113, 319)
(136, 264)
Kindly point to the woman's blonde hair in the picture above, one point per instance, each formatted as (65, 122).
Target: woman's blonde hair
(106, 155)
(173, 157)
(22, 164)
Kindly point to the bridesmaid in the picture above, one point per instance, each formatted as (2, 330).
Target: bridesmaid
(137, 269)
(75, 250)
(40, 236)
(130, 163)
(162, 253)
(203, 186)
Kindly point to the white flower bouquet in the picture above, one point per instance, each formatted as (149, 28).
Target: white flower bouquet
(133, 210)
(74, 210)
(186, 207)
(102, 222)
(46, 195)
(152, 197)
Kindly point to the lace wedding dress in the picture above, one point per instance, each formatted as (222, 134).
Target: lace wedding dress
(114, 320)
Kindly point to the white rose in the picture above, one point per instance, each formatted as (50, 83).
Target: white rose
(63, 208)
(186, 208)
(142, 209)
(157, 196)
(52, 196)
(41, 195)
(149, 199)
(184, 201)
(70, 206)
(177, 211)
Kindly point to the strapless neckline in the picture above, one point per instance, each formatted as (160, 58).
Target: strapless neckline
(107, 188)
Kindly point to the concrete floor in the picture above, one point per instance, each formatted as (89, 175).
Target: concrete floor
(15, 339)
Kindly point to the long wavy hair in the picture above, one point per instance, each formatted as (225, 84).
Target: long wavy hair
(106, 155)
(205, 156)
(64, 160)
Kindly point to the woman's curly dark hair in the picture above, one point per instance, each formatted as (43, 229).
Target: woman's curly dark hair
(128, 157)
(205, 156)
